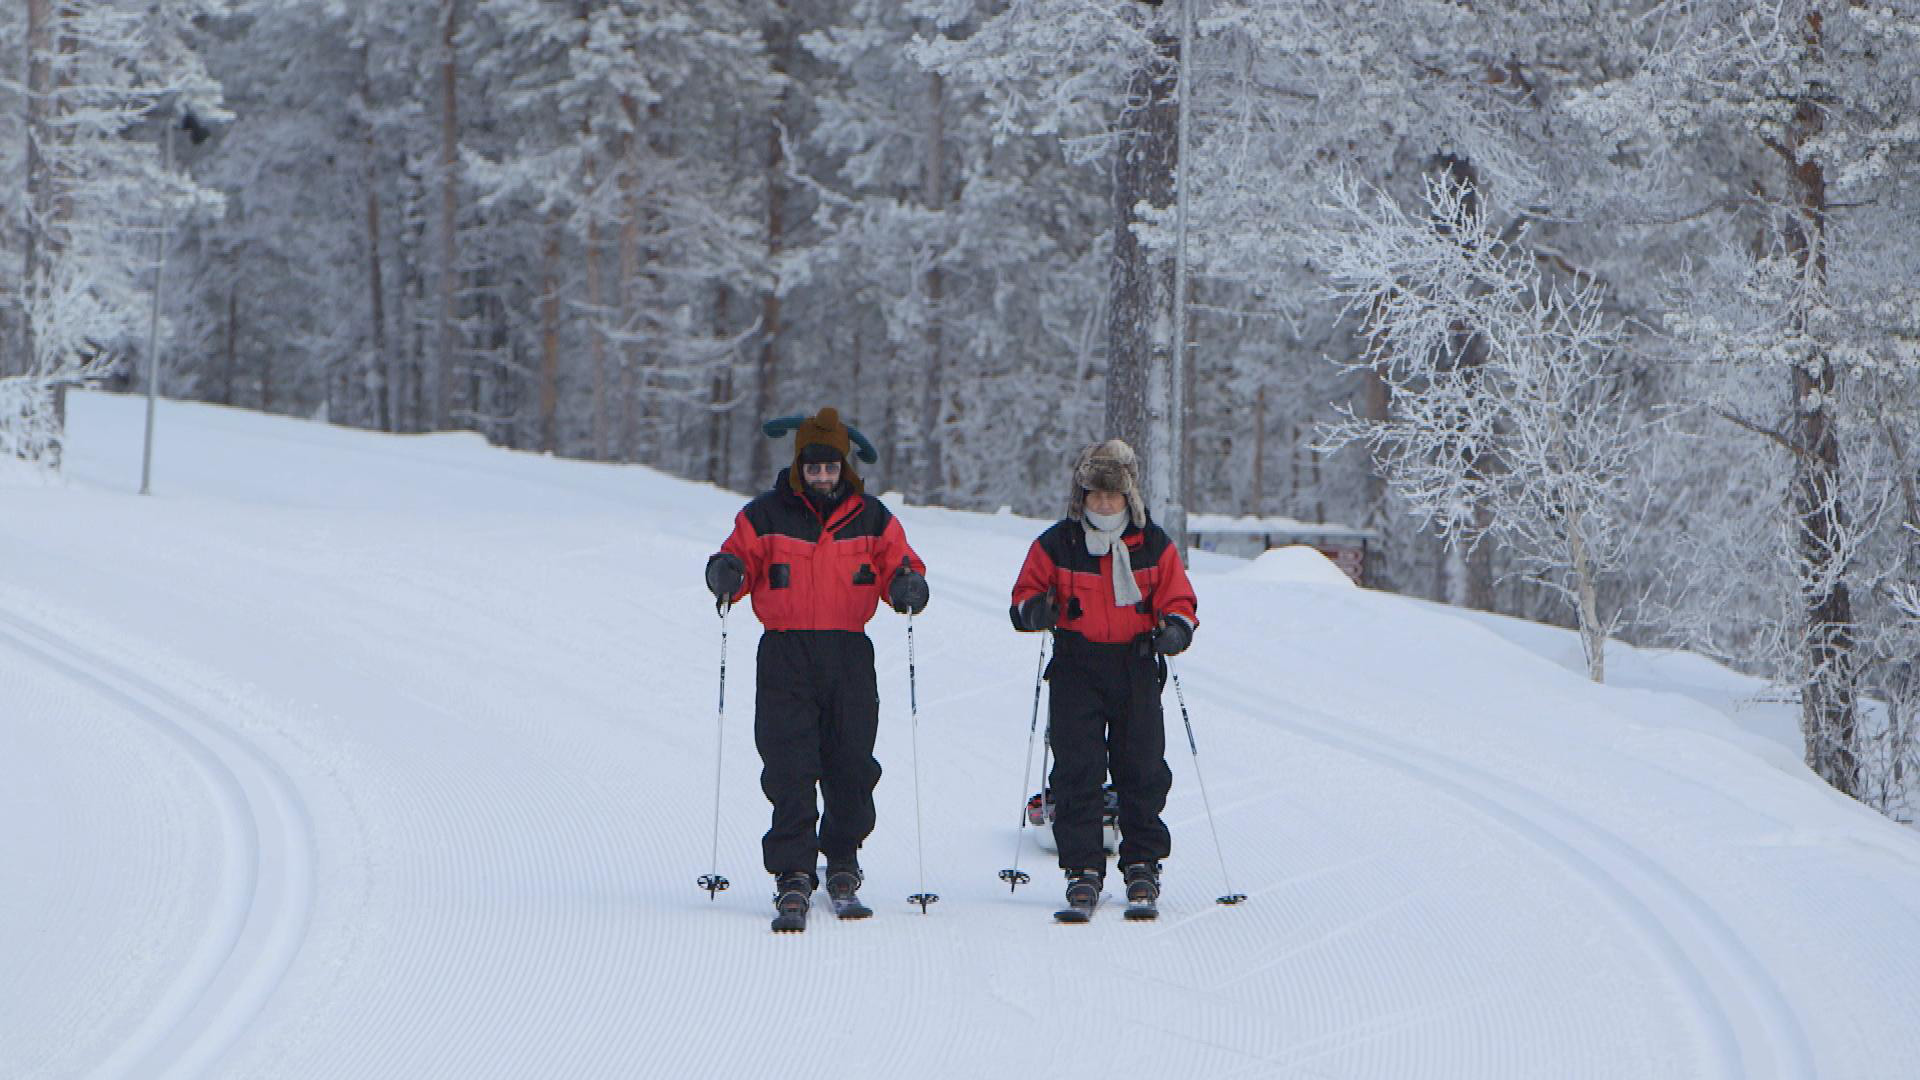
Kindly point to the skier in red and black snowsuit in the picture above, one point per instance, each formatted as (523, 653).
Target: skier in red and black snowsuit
(816, 554)
(1110, 585)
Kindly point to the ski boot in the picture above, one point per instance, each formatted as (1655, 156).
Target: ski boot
(793, 895)
(843, 883)
(1083, 895)
(1143, 890)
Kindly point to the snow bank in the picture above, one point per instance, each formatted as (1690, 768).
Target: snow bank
(1295, 565)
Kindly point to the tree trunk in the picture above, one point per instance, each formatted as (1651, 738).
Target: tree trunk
(1828, 707)
(597, 347)
(1140, 305)
(376, 291)
(1593, 640)
(625, 295)
(449, 215)
(1296, 489)
(719, 416)
(414, 401)
(233, 344)
(39, 179)
(1467, 350)
(931, 482)
(1256, 501)
(550, 338)
(780, 47)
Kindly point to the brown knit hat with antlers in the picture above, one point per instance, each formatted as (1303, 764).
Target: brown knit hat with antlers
(816, 436)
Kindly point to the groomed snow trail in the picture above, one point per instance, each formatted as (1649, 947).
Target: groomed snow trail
(258, 910)
(358, 756)
(1748, 1030)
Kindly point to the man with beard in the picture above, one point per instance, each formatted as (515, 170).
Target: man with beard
(817, 554)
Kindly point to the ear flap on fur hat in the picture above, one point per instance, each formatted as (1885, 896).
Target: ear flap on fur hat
(1107, 466)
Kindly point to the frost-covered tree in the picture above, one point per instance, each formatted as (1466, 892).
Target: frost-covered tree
(102, 81)
(1817, 104)
(1101, 77)
(1531, 444)
(606, 120)
(980, 257)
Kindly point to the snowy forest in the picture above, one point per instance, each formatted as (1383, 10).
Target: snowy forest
(1605, 314)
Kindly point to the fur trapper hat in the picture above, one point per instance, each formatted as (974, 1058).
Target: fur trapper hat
(1107, 466)
(824, 432)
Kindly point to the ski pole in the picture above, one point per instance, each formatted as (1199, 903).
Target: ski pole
(923, 897)
(1231, 897)
(712, 881)
(1014, 876)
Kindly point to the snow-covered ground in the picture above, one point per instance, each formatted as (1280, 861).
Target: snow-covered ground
(359, 756)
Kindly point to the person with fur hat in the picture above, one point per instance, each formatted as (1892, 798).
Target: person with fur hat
(1109, 584)
(817, 554)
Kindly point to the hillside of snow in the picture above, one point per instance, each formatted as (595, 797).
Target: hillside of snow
(349, 755)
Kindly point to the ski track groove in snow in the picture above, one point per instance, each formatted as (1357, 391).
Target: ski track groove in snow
(265, 894)
(88, 939)
(1752, 1031)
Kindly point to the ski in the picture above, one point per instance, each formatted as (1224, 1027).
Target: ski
(849, 908)
(841, 893)
(1143, 910)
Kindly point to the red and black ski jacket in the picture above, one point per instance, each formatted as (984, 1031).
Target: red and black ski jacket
(1082, 583)
(806, 572)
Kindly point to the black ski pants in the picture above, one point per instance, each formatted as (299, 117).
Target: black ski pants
(816, 710)
(1104, 717)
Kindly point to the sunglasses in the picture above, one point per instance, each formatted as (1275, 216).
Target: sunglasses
(821, 468)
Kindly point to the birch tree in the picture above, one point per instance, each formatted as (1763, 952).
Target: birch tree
(1532, 445)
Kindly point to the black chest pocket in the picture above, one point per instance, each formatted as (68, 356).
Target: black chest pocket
(864, 575)
(779, 575)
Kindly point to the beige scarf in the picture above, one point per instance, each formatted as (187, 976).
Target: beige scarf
(1103, 536)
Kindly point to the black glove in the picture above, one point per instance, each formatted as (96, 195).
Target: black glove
(725, 574)
(908, 592)
(1040, 612)
(1172, 636)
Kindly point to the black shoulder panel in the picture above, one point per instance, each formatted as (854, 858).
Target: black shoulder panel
(781, 513)
(1154, 543)
(870, 520)
(1065, 542)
